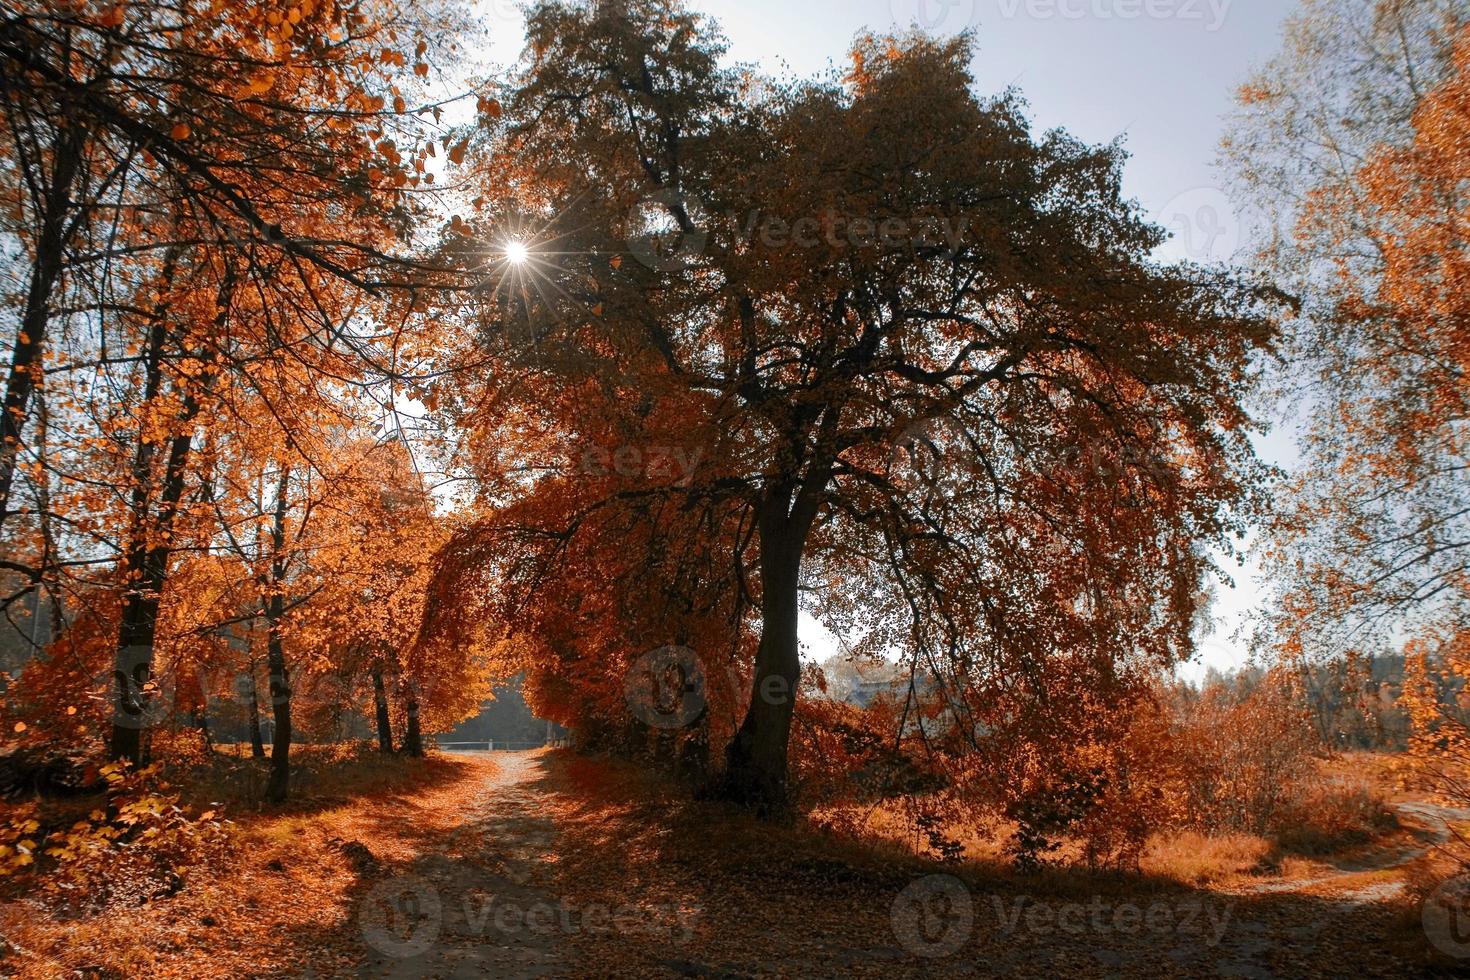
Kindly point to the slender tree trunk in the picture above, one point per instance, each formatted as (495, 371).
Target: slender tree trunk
(755, 764)
(380, 702)
(201, 721)
(30, 339)
(413, 740)
(257, 744)
(149, 551)
(147, 569)
(278, 787)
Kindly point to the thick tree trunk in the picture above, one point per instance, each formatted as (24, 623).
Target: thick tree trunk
(755, 764)
(380, 702)
(278, 786)
(30, 339)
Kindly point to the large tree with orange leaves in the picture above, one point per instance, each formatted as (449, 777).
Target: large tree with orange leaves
(933, 383)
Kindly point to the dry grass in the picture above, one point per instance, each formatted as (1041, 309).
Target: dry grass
(1193, 858)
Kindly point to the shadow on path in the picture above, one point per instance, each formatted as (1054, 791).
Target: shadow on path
(476, 904)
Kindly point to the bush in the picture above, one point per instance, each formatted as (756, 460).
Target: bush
(138, 844)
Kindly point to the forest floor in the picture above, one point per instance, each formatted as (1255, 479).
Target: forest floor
(547, 864)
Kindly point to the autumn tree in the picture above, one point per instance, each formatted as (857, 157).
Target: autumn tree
(214, 190)
(1371, 533)
(933, 381)
(1374, 543)
(210, 103)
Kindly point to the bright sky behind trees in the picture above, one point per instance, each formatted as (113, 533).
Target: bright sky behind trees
(1160, 74)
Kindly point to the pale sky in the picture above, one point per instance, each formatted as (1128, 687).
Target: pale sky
(1158, 73)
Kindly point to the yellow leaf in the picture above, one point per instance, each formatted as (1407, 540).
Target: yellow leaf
(20, 727)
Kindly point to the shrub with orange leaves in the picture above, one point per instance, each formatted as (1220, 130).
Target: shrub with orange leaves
(139, 844)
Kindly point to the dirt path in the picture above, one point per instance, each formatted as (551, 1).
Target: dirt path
(1435, 822)
(478, 905)
(504, 893)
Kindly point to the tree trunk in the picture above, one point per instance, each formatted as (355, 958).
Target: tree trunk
(257, 744)
(147, 568)
(30, 339)
(413, 740)
(201, 721)
(278, 787)
(755, 763)
(380, 702)
(149, 550)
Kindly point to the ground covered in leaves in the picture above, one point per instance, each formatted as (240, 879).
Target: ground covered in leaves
(549, 864)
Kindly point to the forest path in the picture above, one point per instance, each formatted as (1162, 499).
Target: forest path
(1432, 829)
(477, 904)
(499, 888)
